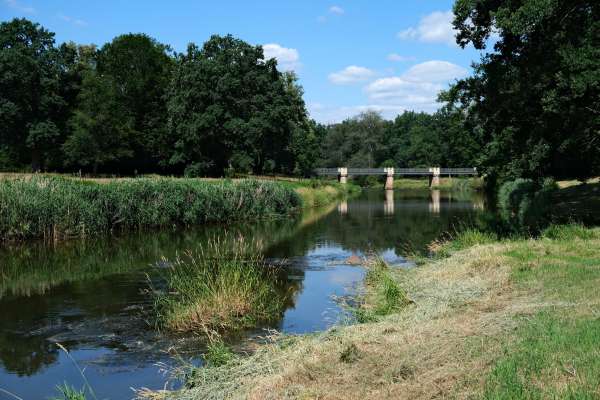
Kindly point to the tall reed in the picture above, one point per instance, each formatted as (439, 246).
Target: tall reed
(56, 208)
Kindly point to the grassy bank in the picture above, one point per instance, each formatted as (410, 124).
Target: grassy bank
(56, 208)
(445, 183)
(319, 193)
(490, 319)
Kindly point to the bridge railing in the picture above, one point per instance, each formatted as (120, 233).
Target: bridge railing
(397, 171)
(458, 171)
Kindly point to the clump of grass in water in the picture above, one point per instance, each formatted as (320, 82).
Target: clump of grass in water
(384, 294)
(219, 288)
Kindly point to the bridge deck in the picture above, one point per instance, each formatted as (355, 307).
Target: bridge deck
(397, 171)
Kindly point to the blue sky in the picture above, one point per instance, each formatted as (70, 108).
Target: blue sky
(350, 56)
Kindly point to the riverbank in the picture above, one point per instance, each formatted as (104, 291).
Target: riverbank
(50, 207)
(496, 319)
(456, 183)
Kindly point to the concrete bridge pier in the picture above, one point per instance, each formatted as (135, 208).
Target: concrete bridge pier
(343, 175)
(388, 204)
(434, 178)
(389, 180)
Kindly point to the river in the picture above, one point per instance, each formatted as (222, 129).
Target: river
(91, 295)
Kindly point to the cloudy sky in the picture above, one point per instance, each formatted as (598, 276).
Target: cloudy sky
(351, 56)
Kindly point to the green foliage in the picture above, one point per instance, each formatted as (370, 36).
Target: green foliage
(533, 101)
(524, 205)
(56, 208)
(218, 354)
(229, 108)
(411, 140)
(385, 295)
(29, 118)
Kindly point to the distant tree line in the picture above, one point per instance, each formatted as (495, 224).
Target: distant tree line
(411, 140)
(530, 110)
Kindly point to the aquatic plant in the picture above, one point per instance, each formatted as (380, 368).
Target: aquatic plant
(220, 287)
(56, 208)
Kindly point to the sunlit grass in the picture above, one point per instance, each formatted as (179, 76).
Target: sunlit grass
(219, 288)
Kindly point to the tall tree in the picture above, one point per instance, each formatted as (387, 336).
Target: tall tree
(30, 98)
(140, 68)
(535, 99)
(231, 109)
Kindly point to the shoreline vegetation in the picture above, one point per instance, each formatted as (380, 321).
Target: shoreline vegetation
(488, 315)
(56, 208)
(485, 318)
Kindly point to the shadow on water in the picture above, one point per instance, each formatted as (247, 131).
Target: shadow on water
(89, 295)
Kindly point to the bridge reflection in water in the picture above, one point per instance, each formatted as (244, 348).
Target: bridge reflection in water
(438, 200)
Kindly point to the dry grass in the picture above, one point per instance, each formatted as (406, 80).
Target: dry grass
(468, 314)
(429, 350)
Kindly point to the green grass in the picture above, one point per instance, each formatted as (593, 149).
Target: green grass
(67, 392)
(319, 192)
(454, 184)
(219, 289)
(556, 352)
(58, 208)
(218, 354)
(384, 294)
(461, 240)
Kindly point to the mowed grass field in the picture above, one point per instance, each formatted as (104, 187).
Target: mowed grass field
(512, 319)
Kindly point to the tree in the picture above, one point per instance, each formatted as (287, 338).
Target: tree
(535, 100)
(30, 99)
(231, 109)
(140, 68)
(101, 126)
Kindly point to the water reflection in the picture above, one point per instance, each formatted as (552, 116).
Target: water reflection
(89, 295)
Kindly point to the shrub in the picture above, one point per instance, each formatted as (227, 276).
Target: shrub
(525, 205)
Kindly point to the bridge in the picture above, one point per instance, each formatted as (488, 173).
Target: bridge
(433, 173)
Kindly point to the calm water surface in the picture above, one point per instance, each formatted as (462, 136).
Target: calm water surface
(89, 295)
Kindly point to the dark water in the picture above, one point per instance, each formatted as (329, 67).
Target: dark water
(89, 295)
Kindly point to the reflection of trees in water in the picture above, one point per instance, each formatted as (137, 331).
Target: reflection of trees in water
(48, 290)
(26, 355)
(366, 223)
(45, 286)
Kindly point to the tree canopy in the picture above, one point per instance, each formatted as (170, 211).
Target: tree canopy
(534, 100)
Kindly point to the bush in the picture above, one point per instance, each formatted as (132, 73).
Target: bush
(56, 208)
(525, 205)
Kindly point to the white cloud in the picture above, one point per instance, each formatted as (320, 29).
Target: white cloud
(337, 10)
(433, 28)
(287, 59)
(14, 4)
(331, 114)
(435, 71)
(417, 88)
(74, 21)
(351, 74)
(398, 58)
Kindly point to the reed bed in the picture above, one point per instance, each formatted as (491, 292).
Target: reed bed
(58, 208)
